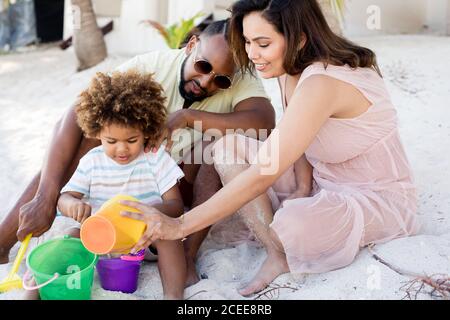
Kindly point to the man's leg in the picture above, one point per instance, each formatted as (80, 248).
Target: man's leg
(9, 226)
(206, 184)
(200, 182)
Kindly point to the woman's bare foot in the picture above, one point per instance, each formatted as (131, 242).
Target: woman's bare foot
(192, 276)
(274, 265)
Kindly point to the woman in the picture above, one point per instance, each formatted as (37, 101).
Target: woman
(339, 115)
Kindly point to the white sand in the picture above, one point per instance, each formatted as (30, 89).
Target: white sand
(37, 87)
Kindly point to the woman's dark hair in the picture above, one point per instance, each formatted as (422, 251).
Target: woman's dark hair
(294, 18)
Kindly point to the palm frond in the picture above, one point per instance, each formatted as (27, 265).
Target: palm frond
(175, 33)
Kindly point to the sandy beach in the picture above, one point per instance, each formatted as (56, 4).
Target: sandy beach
(37, 87)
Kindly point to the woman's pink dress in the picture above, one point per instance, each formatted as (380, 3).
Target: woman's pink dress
(363, 185)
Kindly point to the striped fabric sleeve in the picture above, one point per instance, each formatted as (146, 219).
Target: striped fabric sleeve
(167, 172)
(81, 179)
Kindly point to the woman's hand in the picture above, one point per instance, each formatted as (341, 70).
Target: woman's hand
(159, 226)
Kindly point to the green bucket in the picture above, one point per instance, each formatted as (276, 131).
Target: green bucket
(63, 269)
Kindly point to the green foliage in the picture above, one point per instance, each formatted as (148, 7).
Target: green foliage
(175, 33)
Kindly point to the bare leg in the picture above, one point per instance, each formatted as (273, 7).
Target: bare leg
(172, 268)
(257, 215)
(206, 185)
(9, 226)
(205, 182)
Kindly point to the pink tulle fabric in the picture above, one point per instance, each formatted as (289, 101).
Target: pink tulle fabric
(363, 186)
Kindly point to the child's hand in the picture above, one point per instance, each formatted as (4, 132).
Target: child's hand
(79, 211)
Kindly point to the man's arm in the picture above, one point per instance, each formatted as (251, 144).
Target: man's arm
(252, 113)
(60, 162)
(64, 144)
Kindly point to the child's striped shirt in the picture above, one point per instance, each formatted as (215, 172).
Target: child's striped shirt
(147, 178)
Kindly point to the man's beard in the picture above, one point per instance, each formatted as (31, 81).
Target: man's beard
(188, 96)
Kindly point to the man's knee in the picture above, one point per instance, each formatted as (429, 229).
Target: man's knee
(230, 150)
(223, 147)
(208, 178)
(201, 153)
(196, 162)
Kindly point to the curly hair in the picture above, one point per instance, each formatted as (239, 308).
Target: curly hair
(128, 99)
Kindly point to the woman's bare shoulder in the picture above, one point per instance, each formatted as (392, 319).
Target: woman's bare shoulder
(342, 98)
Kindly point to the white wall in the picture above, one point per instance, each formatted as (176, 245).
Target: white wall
(448, 18)
(185, 9)
(439, 16)
(398, 16)
(129, 36)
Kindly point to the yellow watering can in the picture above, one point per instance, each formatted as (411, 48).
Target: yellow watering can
(13, 281)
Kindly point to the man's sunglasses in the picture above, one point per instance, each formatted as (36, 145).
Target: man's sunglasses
(204, 67)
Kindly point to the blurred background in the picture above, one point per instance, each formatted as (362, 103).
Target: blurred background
(51, 20)
(396, 17)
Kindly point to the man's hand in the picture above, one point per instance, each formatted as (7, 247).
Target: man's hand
(36, 216)
(176, 120)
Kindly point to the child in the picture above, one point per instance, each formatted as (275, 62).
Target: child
(125, 111)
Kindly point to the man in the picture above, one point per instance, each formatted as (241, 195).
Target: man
(201, 84)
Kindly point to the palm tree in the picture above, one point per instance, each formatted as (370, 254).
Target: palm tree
(90, 47)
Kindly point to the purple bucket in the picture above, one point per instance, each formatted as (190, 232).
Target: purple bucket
(118, 275)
